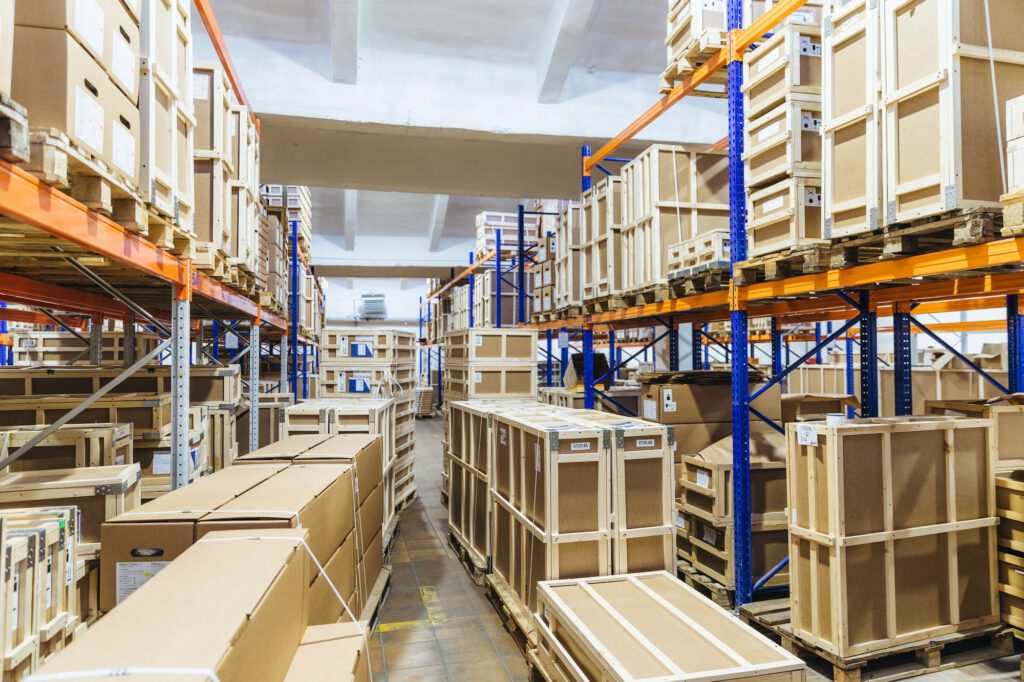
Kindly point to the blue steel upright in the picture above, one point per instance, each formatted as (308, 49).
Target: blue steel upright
(903, 360)
(850, 388)
(547, 372)
(588, 368)
(4, 350)
(293, 312)
(521, 269)
(564, 361)
(776, 348)
(673, 348)
(868, 357)
(1015, 341)
(585, 179)
(612, 362)
(497, 279)
(471, 290)
(738, 336)
(696, 347)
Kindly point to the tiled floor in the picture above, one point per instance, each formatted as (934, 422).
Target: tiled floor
(437, 625)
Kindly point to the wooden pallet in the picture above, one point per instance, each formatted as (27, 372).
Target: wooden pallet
(568, 311)
(936, 654)
(698, 280)
(516, 619)
(961, 228)
(655, 294)
(471, 560)
(800, 260)
(713, 590)
(603, 304)
(14, 144)
(378, 595)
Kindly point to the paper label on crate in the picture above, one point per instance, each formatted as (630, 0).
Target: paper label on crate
(710, 535)
(650, 409)
(807, 434)
(811, 197)
(69, 565)
(810, 122)
(479, 377)
(502, 436)
(89, 119)
(536, 456)
(200, 86)
(767, 131)
(90, 24)
(773, 204)
(809, 48)
(119, 460)
(131, 575)
(14, 601)
(124, 67)
(645, 443)
(479, 340)
(703, 478)
(231, 341)
(124, 150)
(162, 463)
(194, 459)
(563, 339)
(343, 346)
(49, 580)
(669, 406)
(576, 447)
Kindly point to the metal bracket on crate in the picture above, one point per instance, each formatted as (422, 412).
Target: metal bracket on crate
(553, 440)
(606, 440)
(620, 438)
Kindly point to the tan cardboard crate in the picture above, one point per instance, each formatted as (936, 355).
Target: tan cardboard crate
(490, 380)
(785, 215)
(600, 252)
(487, 346)
(784, 140)
(649, 626)
(904, 505)
(71, 446)
(712, 550)
(332, 652)
(787, 63)
(367, 345)
(260, 587)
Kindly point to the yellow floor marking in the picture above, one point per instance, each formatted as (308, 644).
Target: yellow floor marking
(435, 614)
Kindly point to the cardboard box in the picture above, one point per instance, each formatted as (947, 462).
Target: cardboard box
(803, 406)
(692, 438)
(369, 570)
(233, 604)
(324, 606)
(698, 403)
(371, 517)
(331, 653)
(160, 530)
(6, 46)
(105, 28)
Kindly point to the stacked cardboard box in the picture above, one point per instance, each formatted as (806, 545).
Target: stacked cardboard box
(567, 278)
(543, 275)
(782, 105)
(490, 363)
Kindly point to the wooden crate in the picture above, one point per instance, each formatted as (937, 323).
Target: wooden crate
(649, 626)
(150, 414)
(48, 613)
(567, 278)
(712, 550)
(941, 143)
(706, 479)
(60, 348)
(345, 415)
(211, 185)
(1007, 416)
(670, 194)
(785, 215)
(892, 531)
(784, 140)
(1010, 507)
(696, 29)
(704, 252)
(489, 223)
(473, 346)
(342, 379)
(600, 250)
(490, 380)
(19, 638)
(812, 12)
(71, 446)
(359, 345)
(851, 132)
(211, 95)
(99, 493)
(787, 63)
(486, 301)
(154, 457)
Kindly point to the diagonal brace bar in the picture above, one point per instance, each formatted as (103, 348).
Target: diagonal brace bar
(615, 402)
(622, 364)
(804, 358)
(959, 356)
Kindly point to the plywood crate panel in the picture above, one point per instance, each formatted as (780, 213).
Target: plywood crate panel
(600, 252)
(812, 12)
(784, 140)
(60, 348)
(712, 550)
(211, 94)
(354, 345)
(150, 414)
(787, 63)
(851, 133)
(568, 262)
(650, 626)
(490, 380)
(703, 252)
(71, 446)
(892, 531)
(344, 415)
(343, 379)
(785, 215)
(486, 300)
(670, 194)
(1007, 416)
(694, 27)
(491, 345)
(940, 136)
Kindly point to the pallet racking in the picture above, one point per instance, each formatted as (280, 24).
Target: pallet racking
(75, 260)
(961, 278)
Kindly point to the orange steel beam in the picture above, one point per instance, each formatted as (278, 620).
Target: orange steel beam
(462, 275)
(740, 42)
(220, 46)
(32, 317)
(24, 291)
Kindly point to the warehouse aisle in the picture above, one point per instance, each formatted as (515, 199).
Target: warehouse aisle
(436, 624)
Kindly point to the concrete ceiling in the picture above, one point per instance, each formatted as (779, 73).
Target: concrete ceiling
(409, 117)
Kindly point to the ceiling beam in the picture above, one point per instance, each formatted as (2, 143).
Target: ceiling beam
(345, 41)
(350, 213)
(437, 220)
(567, 27)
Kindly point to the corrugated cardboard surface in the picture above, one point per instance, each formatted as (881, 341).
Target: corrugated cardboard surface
(370, 568)
(701, 403)
(324, 606)
(286, 448)
(371, 516)
(361, 449)
(243, 617)
(331, 653)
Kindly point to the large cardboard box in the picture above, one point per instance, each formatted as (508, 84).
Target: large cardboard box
(324, 606)
(331, 653)
(700, 403)
(692, 438)
(369, 570)
(233, 604)
(105, 28)
(6, 46)
(370, 517)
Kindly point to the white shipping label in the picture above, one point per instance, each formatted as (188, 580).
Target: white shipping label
(810, 122)
(231, 341)
(162, 463)
(703, 478)
(645, 443)
(131, 575)
(650, 409)
(124, 66)
(89, 119)
(563, 339)
(773, 204)
(714, 5)
(479, 377)
(69, 565)
(479, 340)
(201, 86)
(812, 197)
(343, 346)
(576, 447)
(809, 48)
(124, 150)
(49, 580)
(503, 436)
(90, 24)
(536, 456)
(710, 535)
(14, 601)
(807, 434)
(670, 407)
